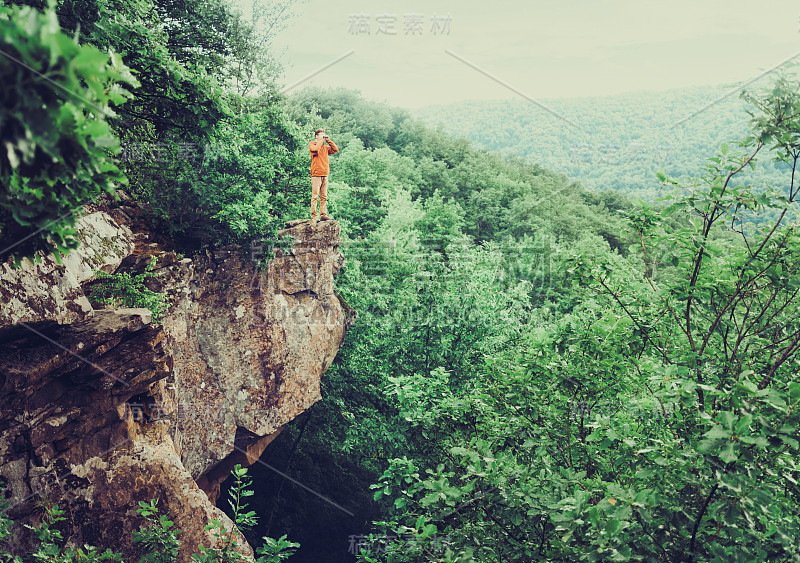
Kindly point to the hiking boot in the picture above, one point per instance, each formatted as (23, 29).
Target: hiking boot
(327, 218)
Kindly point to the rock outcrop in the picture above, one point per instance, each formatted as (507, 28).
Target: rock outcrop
(52, 291)
(102, 408)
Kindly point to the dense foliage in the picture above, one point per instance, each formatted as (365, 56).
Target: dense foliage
(538, 371)
(610, 142)
(590, 380)
(57, 144)
(200, 138)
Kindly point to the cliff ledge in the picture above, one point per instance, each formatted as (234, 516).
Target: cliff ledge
(101, 408)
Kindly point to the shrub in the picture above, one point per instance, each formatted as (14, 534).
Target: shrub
(124, 290)
(57, 147)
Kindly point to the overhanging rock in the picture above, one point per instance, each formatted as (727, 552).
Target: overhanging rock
(100, 409)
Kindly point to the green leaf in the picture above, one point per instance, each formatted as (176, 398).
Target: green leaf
(759, 441)
(717, 432)
(743, 424)
(726, 419)
(728, 454)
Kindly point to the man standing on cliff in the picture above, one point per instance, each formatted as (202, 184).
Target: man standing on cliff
(319, 173)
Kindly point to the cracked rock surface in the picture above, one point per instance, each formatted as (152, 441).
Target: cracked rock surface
(102, 408)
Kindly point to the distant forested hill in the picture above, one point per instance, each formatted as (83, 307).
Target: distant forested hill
(611, 142)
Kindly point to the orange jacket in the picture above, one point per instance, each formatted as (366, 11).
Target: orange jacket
(319, 157)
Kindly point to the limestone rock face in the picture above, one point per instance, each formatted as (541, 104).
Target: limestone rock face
(49, 290)
(249, 347)
(100, 409)
(145, 468)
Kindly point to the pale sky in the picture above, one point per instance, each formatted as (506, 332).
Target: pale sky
(543, 49)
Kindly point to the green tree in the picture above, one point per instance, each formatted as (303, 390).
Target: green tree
(657, 420)
(252, 178)
(58, 146)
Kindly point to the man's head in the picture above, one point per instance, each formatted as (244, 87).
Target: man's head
(319, 134)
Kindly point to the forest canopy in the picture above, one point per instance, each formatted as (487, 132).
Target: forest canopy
(539, 370)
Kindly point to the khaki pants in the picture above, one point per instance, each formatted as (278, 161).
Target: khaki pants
(319, 189)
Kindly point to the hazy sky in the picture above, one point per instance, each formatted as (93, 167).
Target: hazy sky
(542, 49)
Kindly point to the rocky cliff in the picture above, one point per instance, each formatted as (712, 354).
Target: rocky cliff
(101, 408)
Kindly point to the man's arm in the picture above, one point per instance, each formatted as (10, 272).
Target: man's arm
(334, 149)
(314, 146)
